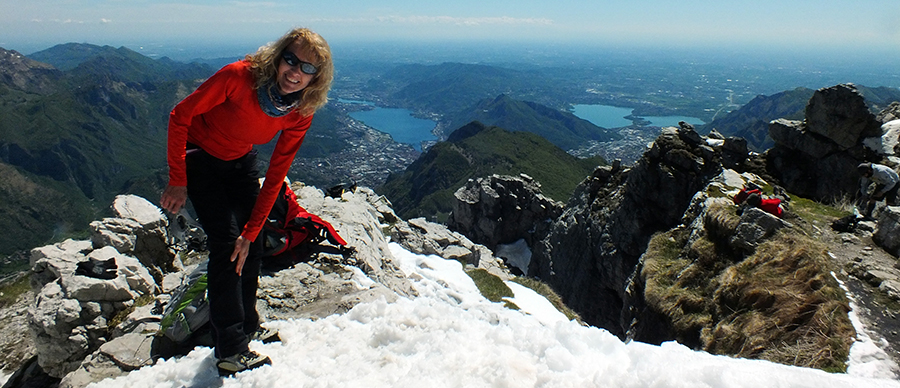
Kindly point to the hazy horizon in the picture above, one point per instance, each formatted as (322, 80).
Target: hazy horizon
(827, 27)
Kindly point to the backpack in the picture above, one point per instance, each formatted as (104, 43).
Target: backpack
(289, 232)
(188, 310)
(745, 193)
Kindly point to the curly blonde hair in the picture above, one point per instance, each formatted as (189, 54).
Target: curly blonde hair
(264, 65)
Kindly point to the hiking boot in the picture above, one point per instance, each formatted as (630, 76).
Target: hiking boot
(265, 336)
(240, 362)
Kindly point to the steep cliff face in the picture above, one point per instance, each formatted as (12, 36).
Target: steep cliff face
(592, 250)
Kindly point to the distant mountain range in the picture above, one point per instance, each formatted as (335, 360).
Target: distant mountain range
(426, 188)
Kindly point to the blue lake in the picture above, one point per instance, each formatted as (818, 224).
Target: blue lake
(607, 116)
(399, 123)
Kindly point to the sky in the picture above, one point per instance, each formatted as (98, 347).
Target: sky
(451, 336)
(864, 25)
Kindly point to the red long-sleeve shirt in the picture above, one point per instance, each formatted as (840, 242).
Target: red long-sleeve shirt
(224, 118)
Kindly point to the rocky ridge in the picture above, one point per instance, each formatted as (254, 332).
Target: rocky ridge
(86, 329)
(593, 253)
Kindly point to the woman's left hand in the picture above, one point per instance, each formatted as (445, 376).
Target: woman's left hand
(241, 250)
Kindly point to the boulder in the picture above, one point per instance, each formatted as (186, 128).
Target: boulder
(807, 154)
(887, 232)
(501, 210)
(839, 113)
(138, 230)
(755, 227)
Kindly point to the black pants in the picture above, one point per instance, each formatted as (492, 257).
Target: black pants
(223, 194)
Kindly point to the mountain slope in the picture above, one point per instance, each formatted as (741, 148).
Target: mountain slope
(751, 121)
(475, 150)
(25, 75)
(563, 129)
(81, 137)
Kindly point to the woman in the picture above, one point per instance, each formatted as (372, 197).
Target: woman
(212, 162)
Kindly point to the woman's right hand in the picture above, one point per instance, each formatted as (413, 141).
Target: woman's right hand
(173, 198)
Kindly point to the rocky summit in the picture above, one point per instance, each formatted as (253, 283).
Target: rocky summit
(86, 327)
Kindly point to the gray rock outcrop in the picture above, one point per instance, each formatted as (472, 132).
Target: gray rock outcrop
(807, 154)
(421, 236)
(71, 313)
(87, 329)
(887, 233)
(502, 209)
(139, 230)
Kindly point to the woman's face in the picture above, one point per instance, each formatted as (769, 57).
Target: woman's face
(291, 79)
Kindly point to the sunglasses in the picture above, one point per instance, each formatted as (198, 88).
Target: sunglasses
(293, 61)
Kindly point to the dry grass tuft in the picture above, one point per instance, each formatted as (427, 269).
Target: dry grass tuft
(782, 305)
(721, 220)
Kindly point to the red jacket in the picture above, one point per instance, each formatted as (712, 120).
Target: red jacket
(772, 206)
(224, 118)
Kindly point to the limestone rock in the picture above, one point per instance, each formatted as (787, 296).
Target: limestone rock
(501, 209)
(139, 231)
(357, 221)
(892, 112)
(71, 317)
(755, 227)
(49, 262)
(421, 236)
(807, 154)
(887, 232)
(840, 114)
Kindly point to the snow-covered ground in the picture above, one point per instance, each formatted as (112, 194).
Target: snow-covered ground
(450, 336)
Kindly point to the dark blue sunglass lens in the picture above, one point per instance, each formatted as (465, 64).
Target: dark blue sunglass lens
(293, 61)
(308, 68)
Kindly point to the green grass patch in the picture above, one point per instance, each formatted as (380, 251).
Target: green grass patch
(490, 286)
(814, 211)
(10, 292)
